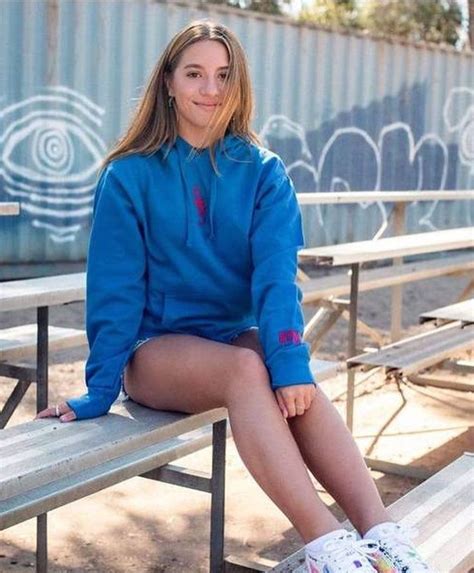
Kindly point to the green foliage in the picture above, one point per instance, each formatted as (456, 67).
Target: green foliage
(437, 21)
(331, 14)
(420, 20)
(266, 6)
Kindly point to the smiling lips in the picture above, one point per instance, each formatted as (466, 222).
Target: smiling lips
(208, 106)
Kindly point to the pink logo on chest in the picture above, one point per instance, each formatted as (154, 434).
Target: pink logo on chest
(289, 337)
(200, 204)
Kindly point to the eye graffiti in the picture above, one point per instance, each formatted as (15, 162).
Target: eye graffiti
(50, 151)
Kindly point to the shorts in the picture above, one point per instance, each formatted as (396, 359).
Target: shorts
(223, 337)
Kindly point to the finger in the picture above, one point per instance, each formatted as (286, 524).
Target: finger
(308, 398)
(68, 417)
(291, 407)
(281, 405)
(47, 413)
(300, 405)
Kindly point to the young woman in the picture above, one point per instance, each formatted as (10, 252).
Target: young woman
(192, 302)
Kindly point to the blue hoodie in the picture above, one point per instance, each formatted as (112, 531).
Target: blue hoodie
(175, 247)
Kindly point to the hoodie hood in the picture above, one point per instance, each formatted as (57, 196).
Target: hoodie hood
(201, 183)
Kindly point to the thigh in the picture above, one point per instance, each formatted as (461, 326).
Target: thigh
(182, 372)
(249, 339)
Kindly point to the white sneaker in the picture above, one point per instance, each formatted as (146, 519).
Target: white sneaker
(344, 553)
(395, 553)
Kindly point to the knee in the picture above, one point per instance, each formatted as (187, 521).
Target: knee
(249, 373)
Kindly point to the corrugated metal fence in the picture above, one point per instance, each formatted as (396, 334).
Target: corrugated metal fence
(345, 112)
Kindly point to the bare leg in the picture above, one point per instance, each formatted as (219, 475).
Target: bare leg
(337, 463)
(191, 374)
(333, 457)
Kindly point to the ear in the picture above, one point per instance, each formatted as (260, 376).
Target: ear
(168, 86)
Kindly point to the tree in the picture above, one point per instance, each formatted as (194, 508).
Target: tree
(267, 6)
(471, 23)
(437, 21)
(332, 14)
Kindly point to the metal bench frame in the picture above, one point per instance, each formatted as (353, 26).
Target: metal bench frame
(404, 359)
(10, 367)
(322, 292)
(148, 461)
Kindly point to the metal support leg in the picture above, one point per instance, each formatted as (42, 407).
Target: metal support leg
(352, 344)
(397, 290)
(41, 403)
(42, 543)
(218, 497)
(13, 400)
(42, 359)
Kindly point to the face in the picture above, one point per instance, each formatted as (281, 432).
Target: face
(197, 86)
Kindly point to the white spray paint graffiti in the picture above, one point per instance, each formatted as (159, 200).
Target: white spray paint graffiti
(281, 127)
(458, 115)
(57, 132)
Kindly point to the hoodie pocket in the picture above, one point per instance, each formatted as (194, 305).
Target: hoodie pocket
(187, 315)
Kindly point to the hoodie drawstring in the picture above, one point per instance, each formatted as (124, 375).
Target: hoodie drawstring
(212, 203)
(189, 198)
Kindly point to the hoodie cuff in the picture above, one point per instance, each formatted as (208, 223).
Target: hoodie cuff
(290, 370)
(90, 405)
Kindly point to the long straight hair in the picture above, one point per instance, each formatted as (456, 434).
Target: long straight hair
(155, 122)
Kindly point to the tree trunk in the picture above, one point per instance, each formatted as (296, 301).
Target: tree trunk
(471, 24)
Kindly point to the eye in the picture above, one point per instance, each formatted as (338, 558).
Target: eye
(223, 76)
(192, 74)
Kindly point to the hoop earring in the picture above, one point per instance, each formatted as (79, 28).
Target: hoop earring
(170, 101)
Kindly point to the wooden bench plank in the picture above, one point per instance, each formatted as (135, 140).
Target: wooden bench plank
(338, 285)
(68, 489)
(43, 451)
(418, 352)
(20, 341)
(44, 291)
(9, 208)
(462, 311)
(401, 246)
(443, 503)
(341, 197)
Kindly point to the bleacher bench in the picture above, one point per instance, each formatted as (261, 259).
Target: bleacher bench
(338, 285)
(462, 311)
(441, 511)
(407, 357)
(39, 474)
(324, 291)
(19, 343)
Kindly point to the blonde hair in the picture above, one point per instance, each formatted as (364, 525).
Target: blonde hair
(154, 122)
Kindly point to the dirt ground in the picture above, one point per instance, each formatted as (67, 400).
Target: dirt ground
(142, 526)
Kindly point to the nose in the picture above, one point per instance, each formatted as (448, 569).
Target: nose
(210, 87)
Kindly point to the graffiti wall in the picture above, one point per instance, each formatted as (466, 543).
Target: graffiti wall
(345, 113)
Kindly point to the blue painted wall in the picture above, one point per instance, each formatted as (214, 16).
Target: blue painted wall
(345, 112)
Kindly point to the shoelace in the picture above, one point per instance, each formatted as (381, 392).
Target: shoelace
(397, 539)
(347, 548)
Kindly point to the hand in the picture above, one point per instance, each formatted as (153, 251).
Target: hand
(61, 411)
(295, 400)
